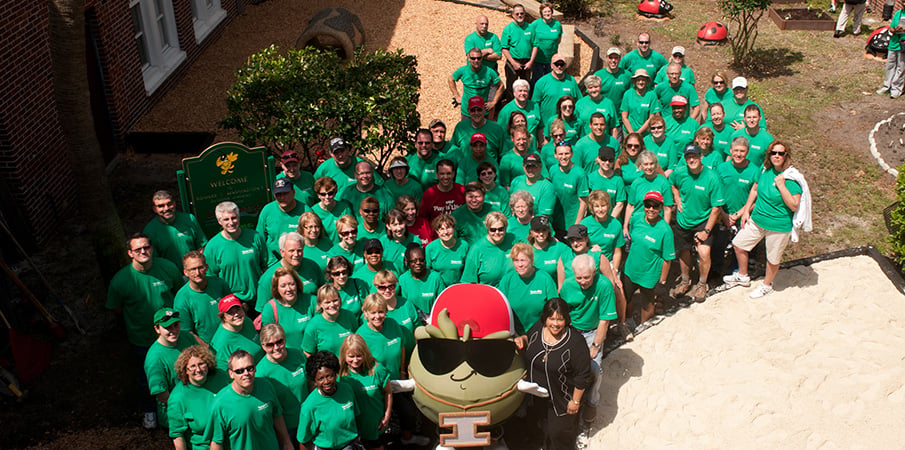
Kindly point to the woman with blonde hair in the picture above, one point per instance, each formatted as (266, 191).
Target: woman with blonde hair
(330, 326)
(487, 260)
(371, 383)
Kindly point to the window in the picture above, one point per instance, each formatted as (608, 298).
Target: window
(156, 40)
(206, 15)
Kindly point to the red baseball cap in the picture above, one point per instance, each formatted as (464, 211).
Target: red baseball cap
(483, 308)
(653, 195)
(475, 102)
(228, 302)
(478, 137)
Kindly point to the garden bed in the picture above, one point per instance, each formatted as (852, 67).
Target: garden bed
(802, 18)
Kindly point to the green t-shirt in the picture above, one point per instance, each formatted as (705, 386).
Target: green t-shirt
(591, 305)
(140, 294)
(699, 193)
(652, 245)
(386, 345)
(652, 63)
(424, 171)
(665, 92)
(159, 363)
(329, 421)
(572, 128)
(614, 84)
(322, 334)
(394, 251)
(757, 144)
(736, 112)
(395, 190)
(273, 222)
(198, 310)
(289, 381)
(586, 150)
(682, 133)
(895, 41)
(531, 112)
(770, 212)
(642, 186)
(614, 186)
(329, 218)
(547, 259)
(517, 39)
(303, 187)
(548, 90)
(722, 139)
(542, 191)
(311, 275)
(406, 315)
(668, 151)
(353, 196)
(448, 262)
(608, 235)
(586, 107)
(546, 38)
(172, 241)
(639, 107)
(461, 140)
(489, 40)
(469, 224)
(369, 396)
(352, 295)
(319, 253)
(379, 232)
(518, 229)
(527, 296)
(629, 173)
(568, 188)
(354, 256)
(475, 84)
(343, 176)
(225, 342)
(294, 319)
(246, 421)
(467, 171)
(511, 167)
(240, 262)
(421, 292)
(189, 409)
(568, 256)
(498, 198)
(687, 76)
(736, 183)
(486, 262)
(712, 96)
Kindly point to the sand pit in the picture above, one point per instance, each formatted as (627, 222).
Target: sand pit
(818, 364)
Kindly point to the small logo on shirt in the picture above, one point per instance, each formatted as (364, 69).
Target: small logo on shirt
(700, 188)
(537, 292)
(250, 251)
(347, 405)
(263, 407)
(392, 342)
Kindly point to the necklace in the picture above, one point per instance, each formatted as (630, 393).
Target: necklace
(548, 347)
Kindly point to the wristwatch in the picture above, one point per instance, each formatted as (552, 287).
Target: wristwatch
(595, 345)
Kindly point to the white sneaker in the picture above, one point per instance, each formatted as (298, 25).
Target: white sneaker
(762, 290)
(882, 90)
(149, 421)
(416, 440)
(737, 279)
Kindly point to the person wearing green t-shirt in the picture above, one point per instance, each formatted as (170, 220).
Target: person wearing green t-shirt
(587, 148)
(341, 167)
(678, 57)
(767, 216)
(605, 179)
(162, 355)
(400, 183)
(488, 258)
(464, 136)
(419, 284)
(289, 306)
(526, 287)
(547, 251)
(247, 413)
(476, 155)
(363, 188)
(328, 417)
(758, 138)
(735, 108)
(719, 93)
(722, 133)
(197, 300)
(327, 329)
(173, 233)
(351, 290)
(384, 336)
(565, 114)
(477, 81)
(549, 88)
(397, 238)
(614, 80)
(647, 265)
(547, 34)
(533, 182)
(447, 253)
(737, 176)
(639, 104)
(348, 246)
(518, 49)
(679, 126)
(317, 244)
(236, 332)
(511, 164)
(470, 216)
(627, 162)
(596, 102)
(371, 383)
(494, 194)
(423, 162)
(328, 208)
(667, 150)
(604, 230)
(666, 92)
(651, 179)
(699, 198)
(894, 77)
(284, 366)
(374, 263)
(643, 57)
(398, 308)
(189, 406)
(237, 255)
(522, 103)
(570, 183)
(292, 256)
(485, 41)
(302, 180)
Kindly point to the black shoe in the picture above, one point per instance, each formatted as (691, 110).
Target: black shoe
(837, 34)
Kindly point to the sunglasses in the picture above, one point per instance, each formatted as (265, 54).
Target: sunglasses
(488, 357)
(656, 127)
(276, 343)
(348, 233)
(327, 194)
(475, 58)
(371, 210)
(649, 205)
(634, 145)
(339, 273)
(775, 153)
(719, 82)
(644, 42)
(241, 370)
(290, 156)
(386, 287)
(559, 64)
(496, 229)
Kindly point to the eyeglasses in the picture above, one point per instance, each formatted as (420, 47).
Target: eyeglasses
(632, 145)
(559, 64)
(775, 153)
(370, 210)
(656, 127)
(276, 343)
(348, 233)
(559, 135)
(518, 14)
(386, 287)
(496, 229)
(424, 142)
(488, 357)
(241, 370)
(327, 193)
(339, 273)
(648, 205)
(487, 172)
(568, 106)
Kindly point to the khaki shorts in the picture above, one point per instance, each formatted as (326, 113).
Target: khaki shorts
(775, 241)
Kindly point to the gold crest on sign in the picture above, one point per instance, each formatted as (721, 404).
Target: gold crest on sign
(227, 163)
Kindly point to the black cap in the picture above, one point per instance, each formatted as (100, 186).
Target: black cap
(372, 245)
(540, 223)
(577, 231)
(338, 143)
(606, 152)
(693, 149)
(532, 159)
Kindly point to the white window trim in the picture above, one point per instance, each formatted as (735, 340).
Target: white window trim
(161, 61)
(208, 18)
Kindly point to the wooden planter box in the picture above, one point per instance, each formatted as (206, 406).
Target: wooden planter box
(802, 18)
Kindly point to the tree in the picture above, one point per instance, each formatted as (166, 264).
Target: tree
(301, 99)
(743, 16)
(70, 85)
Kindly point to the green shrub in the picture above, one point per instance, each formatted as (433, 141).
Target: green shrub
(897, 220)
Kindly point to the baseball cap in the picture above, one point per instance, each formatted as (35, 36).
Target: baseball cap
(577, 231)
(338, 143)
(166, 317)
(693, 149)
(289, 156)
(282, 186)
(531, 159)
(436, 122)
(640, 73)
(557, 57)
(398, 163)
(613, 51)
(372, 245)
(654, 195)
(475, 102)
(739, 82)
(228, 302)
(478, 137)
(678, 100)
(540, 223)
(606, 152)
(678, 49)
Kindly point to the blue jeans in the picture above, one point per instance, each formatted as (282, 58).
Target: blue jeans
(593, 397)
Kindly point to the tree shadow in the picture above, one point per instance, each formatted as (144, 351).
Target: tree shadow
(619, 366)
(766, 63)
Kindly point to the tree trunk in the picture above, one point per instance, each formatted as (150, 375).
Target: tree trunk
(70, 85)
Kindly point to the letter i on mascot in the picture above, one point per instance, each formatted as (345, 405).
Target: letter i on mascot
(468, 372)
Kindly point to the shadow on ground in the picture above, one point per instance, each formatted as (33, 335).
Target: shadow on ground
(771, 63)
